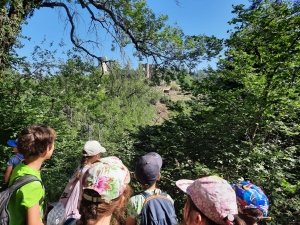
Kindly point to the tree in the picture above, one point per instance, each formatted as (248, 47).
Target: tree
(126, 21)
(243, 121)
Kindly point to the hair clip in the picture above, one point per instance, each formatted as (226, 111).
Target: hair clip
(264, 218)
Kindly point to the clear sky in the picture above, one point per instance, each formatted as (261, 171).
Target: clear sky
(195, 17)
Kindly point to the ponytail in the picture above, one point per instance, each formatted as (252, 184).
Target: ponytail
(83, 163)
(239, 221)
(251, 216)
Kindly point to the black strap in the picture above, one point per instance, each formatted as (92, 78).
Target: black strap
(20, 182)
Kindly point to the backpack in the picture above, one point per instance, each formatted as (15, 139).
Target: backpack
(70, 221)
(158, 209)
(6, 193)
(69, 198)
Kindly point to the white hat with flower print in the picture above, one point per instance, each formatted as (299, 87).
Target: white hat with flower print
(108, 177)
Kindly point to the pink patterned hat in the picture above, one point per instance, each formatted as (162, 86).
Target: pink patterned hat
(213, 196)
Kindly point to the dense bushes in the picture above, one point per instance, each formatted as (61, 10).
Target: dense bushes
(80, 104)
(243, 122)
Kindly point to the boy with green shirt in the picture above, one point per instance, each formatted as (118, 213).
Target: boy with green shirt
(36, 144)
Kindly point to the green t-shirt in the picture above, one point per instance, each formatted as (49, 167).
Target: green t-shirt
(25, 197)
(136, 202)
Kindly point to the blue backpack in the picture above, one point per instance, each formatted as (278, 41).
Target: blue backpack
(158, 209)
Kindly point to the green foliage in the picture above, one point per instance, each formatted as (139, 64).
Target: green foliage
(174, 88)
(243, 122)
(125, 21)
(80, 103)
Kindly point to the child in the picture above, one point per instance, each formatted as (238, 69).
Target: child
(210, 201)
(105, 193)
(14, 160)
(252, 202)
(147, 172)
(36, 143)
(69, 198)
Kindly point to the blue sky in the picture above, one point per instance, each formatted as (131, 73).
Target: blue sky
(196, 17)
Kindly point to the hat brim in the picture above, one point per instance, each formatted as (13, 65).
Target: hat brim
(102, 149)
(99, 150)
(184, 184)
(12, 143)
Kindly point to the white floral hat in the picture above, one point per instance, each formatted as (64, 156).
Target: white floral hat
(108, 176)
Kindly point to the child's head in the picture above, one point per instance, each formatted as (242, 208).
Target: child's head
(34, 140)
(252, 202)
(105, 190)
(55, 214)
(211, 200)
(13, 143)
(92, 148)
(90, 153)
(147, 169)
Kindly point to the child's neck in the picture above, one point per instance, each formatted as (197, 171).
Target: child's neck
(153, 186)
(34, 163)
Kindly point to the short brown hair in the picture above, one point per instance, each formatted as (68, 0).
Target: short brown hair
(34, 140)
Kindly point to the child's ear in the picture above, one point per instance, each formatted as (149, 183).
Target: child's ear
(121, 200)
(195, 218)
(159, 176)
(198, 219)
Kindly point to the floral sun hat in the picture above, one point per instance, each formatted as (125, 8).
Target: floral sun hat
(213, 196)
(250, 196)
(108, 176)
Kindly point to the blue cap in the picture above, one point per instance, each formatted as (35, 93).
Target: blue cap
(12, 143)
(250, 196)
(147, 168)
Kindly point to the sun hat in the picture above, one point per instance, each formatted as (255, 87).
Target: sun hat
(250, 196)
(13, 143)
(147, 168)
(108, 176)
(213, 196)
(56, 214)
(93, 148)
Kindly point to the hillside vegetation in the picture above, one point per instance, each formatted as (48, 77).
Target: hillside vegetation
(239, 120)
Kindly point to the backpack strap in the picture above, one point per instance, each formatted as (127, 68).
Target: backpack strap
(23, 181)
(19, 158)
(155, 196)
(158, 194)
(145, 194)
